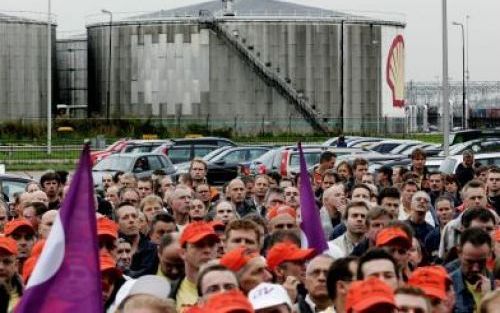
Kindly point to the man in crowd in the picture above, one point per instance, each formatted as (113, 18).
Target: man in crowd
(360, 168)
(471, 280)
(355, 217)
(242, 233)
(493, 187)
(326, 161)
(261, 187)
(334, 204)
(384, 177)
(170, 265)
(198, 245)
(286, 259)
(420, 205)
(237, 195)
(317, 298)
(145, 187)
(179, 203)
(51, 184)
(466, 170)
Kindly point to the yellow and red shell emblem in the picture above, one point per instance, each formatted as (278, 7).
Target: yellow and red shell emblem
(395, 71)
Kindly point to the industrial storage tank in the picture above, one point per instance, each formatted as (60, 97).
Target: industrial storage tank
(72, 74)
(23, 65)
(251, 63)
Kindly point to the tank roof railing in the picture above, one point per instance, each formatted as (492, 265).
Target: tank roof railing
(189, 16)
(27, 17)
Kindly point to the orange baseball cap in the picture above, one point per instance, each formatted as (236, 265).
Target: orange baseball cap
(9, 245)
(287, 251)
(226, 302)
(364, 294)
(196, 231)
(431, 280)
(393, 235)
(14, 225)
(497, 234)
(236, 259)
(280, 210)
(108, 264)
(106, 227)
(218, 225)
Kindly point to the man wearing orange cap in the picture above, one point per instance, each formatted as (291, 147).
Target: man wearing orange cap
(9, 277)
(370, 296)
(249, 267)
(23, 233)
(397, 242)
(107, 234)
(282, 217)
(286, 259)
(232, 301)
(436, 285)
(198, 243)
(111, 278)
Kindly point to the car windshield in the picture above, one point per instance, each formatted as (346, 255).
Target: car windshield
(114, 163)
(311, 159)
(448, 166)
(213, 154)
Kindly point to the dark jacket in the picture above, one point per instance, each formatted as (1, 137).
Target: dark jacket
(464, 174)
(245, 208)
(338, 231)
(145, 260)
(302, 305)
(420, 230)
(464, 300)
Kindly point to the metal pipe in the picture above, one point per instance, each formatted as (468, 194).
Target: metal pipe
(464, 95)
(49, 79)
(108, 94)
(446, 102)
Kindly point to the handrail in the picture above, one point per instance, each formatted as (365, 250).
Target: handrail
(270, 77)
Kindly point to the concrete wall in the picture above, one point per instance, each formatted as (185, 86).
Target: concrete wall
(23, 70)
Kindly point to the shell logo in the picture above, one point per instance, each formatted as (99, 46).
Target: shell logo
(395, 71)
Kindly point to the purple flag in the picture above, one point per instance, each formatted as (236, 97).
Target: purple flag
(313, 236)
(67, 278)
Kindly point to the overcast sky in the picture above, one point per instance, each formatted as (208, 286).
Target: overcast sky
(423, 31)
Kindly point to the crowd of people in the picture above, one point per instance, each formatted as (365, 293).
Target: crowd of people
(399, 240)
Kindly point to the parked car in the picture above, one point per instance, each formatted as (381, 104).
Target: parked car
(450, 164)
(332, 142)
(184, 150)
(225, 163)
(12, 184)
(117, 146)
(483, 145)
(141, 164)
(364, 142)
(126, 146)
(387, 146)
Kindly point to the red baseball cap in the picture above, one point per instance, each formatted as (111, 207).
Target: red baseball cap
(106, 227)
(366, 293)
(14, 225)
(197, 231)
(497, 234)
(108, 264)
(287, 251)
(227, 302)
(236, 259)
(9, 245)
(281, 210)
(393, 235)
(431, 280)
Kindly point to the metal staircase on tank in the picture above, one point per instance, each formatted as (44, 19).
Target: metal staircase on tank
(269, 76)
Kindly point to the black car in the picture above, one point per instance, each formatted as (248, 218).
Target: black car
(226, 165)
(184, 150)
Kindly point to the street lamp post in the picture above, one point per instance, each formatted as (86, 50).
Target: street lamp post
(446, 104)
(108, 94)
(464, 93)
(49, 78)
(467, 73)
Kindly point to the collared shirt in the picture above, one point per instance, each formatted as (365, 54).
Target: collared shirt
(345, 243)
(186, 296)
(465, 300)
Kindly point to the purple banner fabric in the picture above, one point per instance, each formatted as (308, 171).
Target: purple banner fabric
(67, 277)
(311, 223)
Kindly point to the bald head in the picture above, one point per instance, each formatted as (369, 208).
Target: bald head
(236, 191)
(46, 223)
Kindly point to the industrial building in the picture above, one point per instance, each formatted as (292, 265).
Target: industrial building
(250, 61)
(23, 66)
